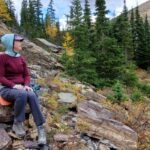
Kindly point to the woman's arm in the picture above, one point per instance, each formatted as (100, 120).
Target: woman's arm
(3, 80)
(26, 73)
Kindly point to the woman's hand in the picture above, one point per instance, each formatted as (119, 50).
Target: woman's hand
(27, 88)
(18, 86)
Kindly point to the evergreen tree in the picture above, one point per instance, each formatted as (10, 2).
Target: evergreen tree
(87, 14)
(109, 54)
(38, 18)
(132, 22)
(140, 38)
(13, 23)
(145, 62)
(59, 35)
(24, 16)
(50, 23)
(127, 35)
(111, 61)
(32, 17)
(122, 32)
(51, 13)
(87, 25)
(101, 31)
(80, 62)
(70, 19)
(101, 20)
(39, 14)
(76, 16)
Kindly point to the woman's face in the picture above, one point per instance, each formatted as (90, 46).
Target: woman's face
(17, 46)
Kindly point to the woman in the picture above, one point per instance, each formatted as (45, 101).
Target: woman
(14, 80)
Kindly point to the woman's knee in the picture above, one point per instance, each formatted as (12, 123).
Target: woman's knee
(14, 94)
(23, 94)
(31, 95)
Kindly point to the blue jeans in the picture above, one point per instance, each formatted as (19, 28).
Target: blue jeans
(20, 98)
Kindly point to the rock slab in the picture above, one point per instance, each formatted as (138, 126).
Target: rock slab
(98, 122)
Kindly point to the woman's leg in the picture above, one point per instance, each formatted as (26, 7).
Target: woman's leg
(35, 108)
(19, 98)
(38, 117)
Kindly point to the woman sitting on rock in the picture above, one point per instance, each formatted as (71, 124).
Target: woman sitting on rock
(14, 80)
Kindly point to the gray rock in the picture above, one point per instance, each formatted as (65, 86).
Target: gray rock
(67, 97)
(94, 96)
(30, 144)
(55, 87)
(35, 67)
(4, 126)
(103, 147)
(5, 140)
(100, 123)
(47, 45)
(6, 114)
(61, 138)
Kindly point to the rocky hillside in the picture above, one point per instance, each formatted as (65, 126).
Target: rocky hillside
(144, 10)
(78, 117)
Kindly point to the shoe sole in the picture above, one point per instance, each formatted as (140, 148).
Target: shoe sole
(41, 143)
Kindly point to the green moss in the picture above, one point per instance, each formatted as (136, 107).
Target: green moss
(62, 109)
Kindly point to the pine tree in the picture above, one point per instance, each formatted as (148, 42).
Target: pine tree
(50, 22)
(24, 16)
(132, 23)
(109, 54)
(4, 15)
(13, 23)
(78, 59)
(127, 36)
(39, 14)
(38, 18)
(140, 38)
(32, 17)
(101, 20)
(87, 25)
(111, 61)
(101, 31)
(87, 14)
(59, 35)
(122, 32)
(76, 16)
(51, 12)
(70, 19)
(145, 54)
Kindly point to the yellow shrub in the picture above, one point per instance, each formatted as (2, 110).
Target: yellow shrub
(4, 15)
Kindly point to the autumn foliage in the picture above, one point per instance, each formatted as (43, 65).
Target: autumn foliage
(68, 44)
(4, 15)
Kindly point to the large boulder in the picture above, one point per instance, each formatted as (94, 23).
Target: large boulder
(5, 140)
(98, 122)
(47, 45)
(7, 113)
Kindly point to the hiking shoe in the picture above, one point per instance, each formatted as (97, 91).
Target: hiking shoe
(19, 129)
(41, 135)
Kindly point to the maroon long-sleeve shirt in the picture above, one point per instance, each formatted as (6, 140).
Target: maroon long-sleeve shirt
(13, 70)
